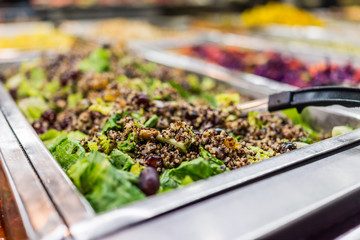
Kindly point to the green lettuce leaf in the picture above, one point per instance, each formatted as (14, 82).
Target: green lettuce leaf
(128, 145)
(104, 186)
(52, 138)
(121, 160)
(151, 122)
(196, 169)
(68, 152)
(101, 107)
(293, 114)
(74, 99)
(111, 124)
(33, 107)
(338, 130)
(260, 154)
(254, 121)
(98, 61)
(77, 135)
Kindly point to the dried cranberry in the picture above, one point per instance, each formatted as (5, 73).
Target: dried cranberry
(96, 114)
(49, 115)
(106, 45)
(13, 93)
(66, 78)
(153, 161)
(65, 122)
(191, 115)
(130, 73)
(39, 127)
(2, 78)
(143, 100)
(149, 181)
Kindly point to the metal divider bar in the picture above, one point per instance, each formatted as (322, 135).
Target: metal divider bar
(71, 205)
(39, 216)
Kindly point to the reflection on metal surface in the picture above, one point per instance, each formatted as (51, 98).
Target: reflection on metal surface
(40, 218)
(72, 206)
(11, 223)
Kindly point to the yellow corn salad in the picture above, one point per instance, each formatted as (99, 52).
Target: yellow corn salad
(276, 13)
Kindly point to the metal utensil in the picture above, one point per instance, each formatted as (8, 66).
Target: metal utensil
(300, 99)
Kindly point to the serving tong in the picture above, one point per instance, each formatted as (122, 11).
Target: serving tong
(300, 99)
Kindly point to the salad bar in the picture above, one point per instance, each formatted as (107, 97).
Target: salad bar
(109, 136)
(148, 128)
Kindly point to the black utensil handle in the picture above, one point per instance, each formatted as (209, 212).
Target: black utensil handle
(316, 96)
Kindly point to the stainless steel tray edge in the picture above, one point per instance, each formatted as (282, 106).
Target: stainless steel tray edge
(40, 218)
(69, 202)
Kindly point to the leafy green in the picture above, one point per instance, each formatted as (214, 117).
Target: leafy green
(14, 81)
(74, 99)
(254, 121)
(68, 152)
(77, 135)
(207, 84)
(146, 68)
(136, 169)
(93, 146)
(128, 145)
(338, 130)
(227, 99)
(210, 98)
(111, 124)
(121, 160)
(104, 186)
(37, 77)
(101, 107)
(260, 154)
(52, 138)
(51, 88)
(183, 93)
(33, 107)
(293, 114)
(104, 142)
(151, 122)
(194, 82)
(98, 61)
(27, 89)
(181, 145)
(199, 168)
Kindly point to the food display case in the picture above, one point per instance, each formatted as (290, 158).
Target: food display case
(72, 214)
(120, 129)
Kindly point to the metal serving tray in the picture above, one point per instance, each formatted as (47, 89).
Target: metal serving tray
(27, 210)
(82, 221)
(160, 51)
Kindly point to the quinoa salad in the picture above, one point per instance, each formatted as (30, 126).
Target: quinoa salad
(123, 128)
